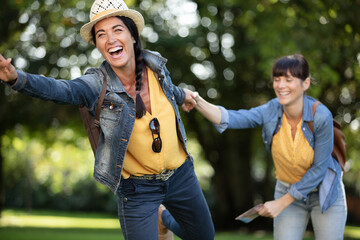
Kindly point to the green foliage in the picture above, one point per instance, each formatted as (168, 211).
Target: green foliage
(222, 49)
(52, 171)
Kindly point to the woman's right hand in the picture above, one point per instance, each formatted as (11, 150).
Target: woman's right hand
(273, 208)
(7, 70)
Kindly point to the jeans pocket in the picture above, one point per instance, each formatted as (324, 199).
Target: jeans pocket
(280, 190)
(127, 186)
(140, 188)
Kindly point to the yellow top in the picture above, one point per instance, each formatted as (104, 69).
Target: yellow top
(140, 159)
(292, 157)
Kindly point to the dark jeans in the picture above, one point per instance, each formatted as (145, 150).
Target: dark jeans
(139, 200)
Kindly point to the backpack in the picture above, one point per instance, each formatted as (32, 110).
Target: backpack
(340, 147)
(92, 125)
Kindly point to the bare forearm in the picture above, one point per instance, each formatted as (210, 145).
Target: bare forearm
(208, 110)
(286, 200)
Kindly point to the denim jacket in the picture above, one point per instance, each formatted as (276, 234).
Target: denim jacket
(325, 172)
(117, 121)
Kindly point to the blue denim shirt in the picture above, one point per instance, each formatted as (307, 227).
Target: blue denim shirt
(325, 172)
(117, 122)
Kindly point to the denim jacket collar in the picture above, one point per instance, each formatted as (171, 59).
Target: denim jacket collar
(307, 109)
(114, 84)
(154, 60)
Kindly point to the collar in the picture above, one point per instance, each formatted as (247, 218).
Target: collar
(154, 60)
(307, 108)
(114, 84)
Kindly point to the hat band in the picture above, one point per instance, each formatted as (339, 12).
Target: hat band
(103, 13)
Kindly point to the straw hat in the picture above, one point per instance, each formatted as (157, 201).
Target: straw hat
(102, 9)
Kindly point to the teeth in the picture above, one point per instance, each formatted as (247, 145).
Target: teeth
(284, 93)
(115, 49)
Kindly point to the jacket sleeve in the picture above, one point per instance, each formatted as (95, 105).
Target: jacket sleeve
(83, 90)
(241, 119)
(178, 92)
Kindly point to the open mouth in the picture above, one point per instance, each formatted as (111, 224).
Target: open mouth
(284, 93)
(115, 51)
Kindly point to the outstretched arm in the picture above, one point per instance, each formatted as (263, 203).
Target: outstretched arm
(208, 110)
(7, 70)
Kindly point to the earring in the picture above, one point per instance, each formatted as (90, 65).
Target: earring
(134, 41)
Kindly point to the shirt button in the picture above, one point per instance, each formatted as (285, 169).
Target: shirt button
(265, 142)
(125, 199)
(172, 98)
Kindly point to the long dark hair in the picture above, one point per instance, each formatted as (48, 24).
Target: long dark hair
(139, 58)
(296, 64)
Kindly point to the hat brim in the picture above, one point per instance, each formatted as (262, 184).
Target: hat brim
(138, 19)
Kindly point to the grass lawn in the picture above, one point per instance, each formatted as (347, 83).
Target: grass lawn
(46, 225)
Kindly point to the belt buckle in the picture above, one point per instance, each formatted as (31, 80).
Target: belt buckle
(166, 174)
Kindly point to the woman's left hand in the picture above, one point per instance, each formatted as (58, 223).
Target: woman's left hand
(273, 208)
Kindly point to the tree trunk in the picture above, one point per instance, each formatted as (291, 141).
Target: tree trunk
(2, 191)
(233, 185)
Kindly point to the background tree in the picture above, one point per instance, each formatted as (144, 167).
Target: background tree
(222, 49)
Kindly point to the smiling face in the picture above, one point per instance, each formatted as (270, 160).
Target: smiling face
(291, 78)
(290, 90)
(115, 42)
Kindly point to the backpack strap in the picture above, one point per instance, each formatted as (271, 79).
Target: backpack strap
(100, 100)
(314, 106)
(92, 126)
(340, 147)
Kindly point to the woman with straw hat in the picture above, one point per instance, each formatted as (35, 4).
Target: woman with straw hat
(142, 154)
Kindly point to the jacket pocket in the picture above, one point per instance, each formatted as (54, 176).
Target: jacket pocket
(111, 112)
